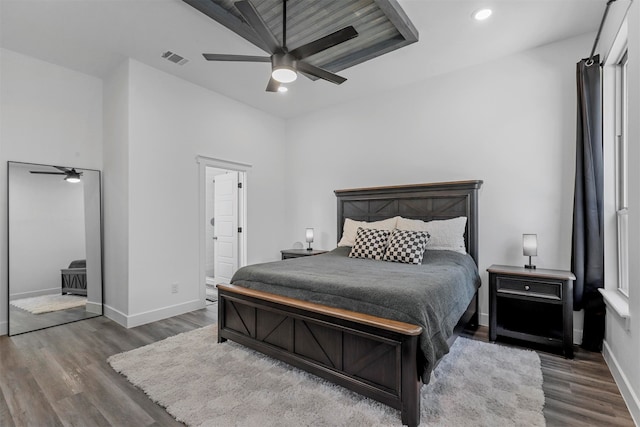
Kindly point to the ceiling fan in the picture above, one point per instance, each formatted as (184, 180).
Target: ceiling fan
(71, 174)
(286, 64)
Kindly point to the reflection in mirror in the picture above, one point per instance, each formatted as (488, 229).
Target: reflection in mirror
(55, 247)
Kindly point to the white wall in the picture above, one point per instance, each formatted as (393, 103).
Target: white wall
(47, 230)
(116, 194)
(622, 347)
(155, 125)
(169, 122)
(510, 123)
(49, 115)
(92, 234)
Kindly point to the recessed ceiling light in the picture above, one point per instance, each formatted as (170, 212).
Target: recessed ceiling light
(283, 89)
(482, 14)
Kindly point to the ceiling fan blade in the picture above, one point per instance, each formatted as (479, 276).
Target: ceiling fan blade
(325, 42)
(251, 16)
(273, 85)
(239, 58)
(320, 73)
(48, 173)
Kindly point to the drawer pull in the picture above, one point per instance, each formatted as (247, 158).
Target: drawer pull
(526, 287)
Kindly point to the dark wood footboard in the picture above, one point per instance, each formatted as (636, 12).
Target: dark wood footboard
(372, 356)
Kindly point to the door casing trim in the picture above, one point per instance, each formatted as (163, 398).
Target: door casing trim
(244, 169)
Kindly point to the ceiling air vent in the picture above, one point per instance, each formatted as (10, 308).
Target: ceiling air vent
(175, 58)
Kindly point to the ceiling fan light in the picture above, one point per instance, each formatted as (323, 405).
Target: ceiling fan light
(284, 74)
(482, 14)
(283, 68)
(72, 178)
(283, 89)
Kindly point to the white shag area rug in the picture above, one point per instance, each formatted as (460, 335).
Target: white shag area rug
(203, 383)
(49, 303)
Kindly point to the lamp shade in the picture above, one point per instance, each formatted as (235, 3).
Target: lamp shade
(309, 235)
(530, 244)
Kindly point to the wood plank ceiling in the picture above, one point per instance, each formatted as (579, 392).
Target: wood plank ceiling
(382, 26)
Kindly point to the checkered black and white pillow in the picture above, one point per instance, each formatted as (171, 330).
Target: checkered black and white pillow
(370, 243)
(407, 246)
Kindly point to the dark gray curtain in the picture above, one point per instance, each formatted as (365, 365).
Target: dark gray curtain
(587, 254)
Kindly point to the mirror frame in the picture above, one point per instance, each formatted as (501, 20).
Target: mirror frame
(101, 234)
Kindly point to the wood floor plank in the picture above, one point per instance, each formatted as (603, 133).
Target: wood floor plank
(68, 411)
(60, 376)
(54, 380)
(108, 398)
(26, 401)
(6, 420)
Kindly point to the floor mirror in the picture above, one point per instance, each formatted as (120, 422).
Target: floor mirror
(55, 245)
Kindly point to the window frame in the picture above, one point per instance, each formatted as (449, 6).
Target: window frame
(621, 142)
(622, 170)
(615, 146)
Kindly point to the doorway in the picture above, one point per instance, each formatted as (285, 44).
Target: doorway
(223, 232)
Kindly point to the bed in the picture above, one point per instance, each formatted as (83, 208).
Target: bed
(74, 278)
(382, 357)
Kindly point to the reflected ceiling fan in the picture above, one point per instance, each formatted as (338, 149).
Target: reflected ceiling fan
(71, 174)
(286, 64)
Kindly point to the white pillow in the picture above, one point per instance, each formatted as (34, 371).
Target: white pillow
(445, 234)
(350, 229)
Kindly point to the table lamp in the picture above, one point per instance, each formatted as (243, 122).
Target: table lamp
(530, 248)
(309, 235)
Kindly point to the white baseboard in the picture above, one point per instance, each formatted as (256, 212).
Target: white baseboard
(31, 294)
(94, 307)
(117, 316)
(577, 336)
(483, 319)
(133, 320)
(627, 392)
(4, 328)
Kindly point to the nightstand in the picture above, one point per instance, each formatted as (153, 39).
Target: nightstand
(534, 305)
(297, 253)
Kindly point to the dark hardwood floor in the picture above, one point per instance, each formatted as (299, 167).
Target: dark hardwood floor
(60, 377)
(578, 392)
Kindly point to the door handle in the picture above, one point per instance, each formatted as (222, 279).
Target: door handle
(215, 238)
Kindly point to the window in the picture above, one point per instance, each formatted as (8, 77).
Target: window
(620, 170)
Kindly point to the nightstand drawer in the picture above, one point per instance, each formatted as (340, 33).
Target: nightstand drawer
(536, 289)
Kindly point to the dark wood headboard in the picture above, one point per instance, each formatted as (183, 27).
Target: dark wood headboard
(442, 200)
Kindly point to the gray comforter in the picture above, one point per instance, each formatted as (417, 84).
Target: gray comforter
(433, 295)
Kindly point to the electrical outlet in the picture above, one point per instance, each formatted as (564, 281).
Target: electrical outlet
(174, 288)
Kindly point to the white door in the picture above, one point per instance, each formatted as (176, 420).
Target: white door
(226, 228)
